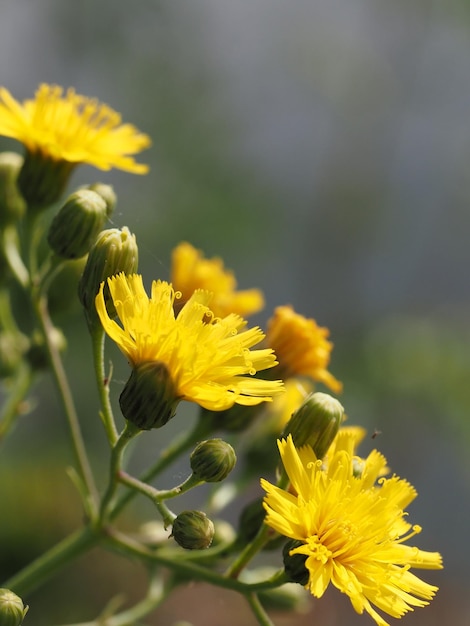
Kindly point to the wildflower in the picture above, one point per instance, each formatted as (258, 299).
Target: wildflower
(191, 271)
(208, 363)
(301, 346)
(59, 131)
(351, 530)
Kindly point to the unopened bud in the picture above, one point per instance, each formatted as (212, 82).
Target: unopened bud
(12, 204)
(114, 251)
(315, 423)
(76, 226)
(149, 398)
(294, 564)
(12, 609)
(193, 530)
(42, 179)
(213, 460)
(108, 195)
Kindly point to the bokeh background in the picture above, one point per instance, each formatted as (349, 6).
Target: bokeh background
(322, 148)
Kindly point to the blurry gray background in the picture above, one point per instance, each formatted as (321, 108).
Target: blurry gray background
(322, 148)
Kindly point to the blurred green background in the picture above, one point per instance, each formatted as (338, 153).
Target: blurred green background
(322, 148)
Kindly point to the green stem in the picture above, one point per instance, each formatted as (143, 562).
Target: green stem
(12, 409)
(81, 458)
(250, 551)
(128, 546)
(180, 445)
(15, 262)
(117, 457)
(48, 564)
(258, 610)
(102, 383)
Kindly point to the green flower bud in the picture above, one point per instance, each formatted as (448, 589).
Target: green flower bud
(294, 564)
(42, 180)
(212, 460)
(315, 423)
(108, 195)
(114, 251)
(149, 398)
(12, 204)
(76, 226)
(12, 609)
(193, 530)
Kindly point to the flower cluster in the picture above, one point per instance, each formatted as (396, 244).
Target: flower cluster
(187, 339)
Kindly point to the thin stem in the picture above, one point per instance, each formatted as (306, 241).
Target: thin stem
(81, 458)
(52, 561)
(117, 456)
(258, 610)
(158, 495)
(126, 545)
(102, 383)
(180, 445)
(13, 406)
(15, 262)
(250, 551)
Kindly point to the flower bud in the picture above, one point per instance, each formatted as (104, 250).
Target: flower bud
(42, 180)
(12, 204)
(193, 530)
(76, 226)
(149, 398)
(315, 423)
(212, 460)
(108, 195)
(294, 564)
(251, 520)
(114, 251)
(12, 609)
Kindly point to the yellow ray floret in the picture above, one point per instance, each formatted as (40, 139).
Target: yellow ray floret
(211, 364)
(352, 529)
(191, 271)
(72, 128)
(301, 346)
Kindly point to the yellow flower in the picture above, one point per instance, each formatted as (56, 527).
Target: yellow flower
(73, 128)
(61, 130)
(301, 347)
(208, 363)
(351, 530)
(191, 271)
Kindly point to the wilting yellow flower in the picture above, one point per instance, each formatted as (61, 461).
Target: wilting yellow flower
(301, 346)
(209, 363)
(73, 128)
(191, 271)
(351, 529)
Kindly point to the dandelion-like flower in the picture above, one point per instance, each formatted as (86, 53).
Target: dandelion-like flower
(60, 130)
(301, 346)
(351, 529)
(191, 271)
(210, 363)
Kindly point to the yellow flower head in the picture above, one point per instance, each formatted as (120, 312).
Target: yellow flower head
(72, 128)
(301, 346)
(191, 271)
(351, 529)
(209, 363)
